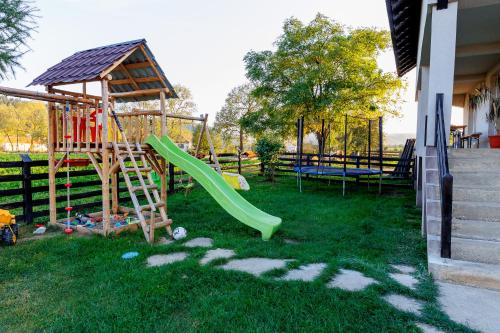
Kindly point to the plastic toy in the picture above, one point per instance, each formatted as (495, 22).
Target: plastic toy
(9, 230)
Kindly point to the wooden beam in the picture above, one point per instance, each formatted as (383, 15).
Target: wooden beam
(137, 65)
(76, 94)
(168, 115)
(118, 62)
(105, 158)
(52, 173)
(46, 97)
(135, 93)
(96, 165)
(131, 80)
(154, 67)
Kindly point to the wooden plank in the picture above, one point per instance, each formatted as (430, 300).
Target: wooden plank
(153, 65)
(76, 94)
(51, 162)
(95, 164)
(130, 77)
(137, 65)
(135, 93)
(105, 157)
(136, 80)
(46, 97)
(116, 64)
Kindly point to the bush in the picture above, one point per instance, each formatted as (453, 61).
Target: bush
(269, 149)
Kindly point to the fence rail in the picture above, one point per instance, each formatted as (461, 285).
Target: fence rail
(24, 185)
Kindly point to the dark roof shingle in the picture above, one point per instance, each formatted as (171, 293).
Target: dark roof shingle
(85, 65)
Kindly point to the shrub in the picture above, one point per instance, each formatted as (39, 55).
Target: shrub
(269, 149)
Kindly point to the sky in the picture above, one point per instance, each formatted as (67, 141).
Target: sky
(198, 43)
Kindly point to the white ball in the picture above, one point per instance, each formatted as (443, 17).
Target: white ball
(179, 233)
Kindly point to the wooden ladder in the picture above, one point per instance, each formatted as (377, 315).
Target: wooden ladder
(141, 171)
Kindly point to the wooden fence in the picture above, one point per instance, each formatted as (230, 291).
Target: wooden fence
(24, 185)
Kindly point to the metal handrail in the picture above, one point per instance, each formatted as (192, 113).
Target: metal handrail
(445, 179)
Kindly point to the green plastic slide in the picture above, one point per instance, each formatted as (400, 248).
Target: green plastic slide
(217, 187)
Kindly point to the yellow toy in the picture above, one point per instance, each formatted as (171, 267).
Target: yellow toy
(9, 230)
(237, 181)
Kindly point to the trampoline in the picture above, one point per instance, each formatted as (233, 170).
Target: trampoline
(323, 166)
(335, 171)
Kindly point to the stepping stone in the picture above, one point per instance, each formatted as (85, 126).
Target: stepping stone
(405, 279)
(216, 254)
(255, 266)
(304, 273)
(404, 303)
(404, 269)
(428, 328)
(165, 259)
(199, 242)
(350, 280)
(291, 241)
(165, 241)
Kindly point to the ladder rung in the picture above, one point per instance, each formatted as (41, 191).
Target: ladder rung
(140, 169)
(163, 223)
(149, 187)
(134, 152)
(157, 205)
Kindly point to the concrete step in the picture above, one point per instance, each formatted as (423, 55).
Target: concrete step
(471, 229)
(482, 179)
(465, 272)
(473, 250)
(476, 164)
(469, 179)
(473, 153)
(474, 229)
(470, 194)
(483, 211)
(465, 194)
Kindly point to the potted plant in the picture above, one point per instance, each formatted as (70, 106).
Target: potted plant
(493, 117)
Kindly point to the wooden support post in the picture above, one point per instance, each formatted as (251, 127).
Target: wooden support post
(50, 151)
(114, 175)
(212, 149)
(163, 162)
(105, 156)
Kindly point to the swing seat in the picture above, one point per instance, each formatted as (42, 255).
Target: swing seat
(187, 186)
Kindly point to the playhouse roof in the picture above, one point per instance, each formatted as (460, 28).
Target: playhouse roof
(131, 65)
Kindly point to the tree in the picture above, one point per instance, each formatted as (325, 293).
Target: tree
(239, 102)
(23, 122)
(17, 23)
(320, 71)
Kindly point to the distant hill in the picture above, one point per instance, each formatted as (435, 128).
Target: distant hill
(397, 139)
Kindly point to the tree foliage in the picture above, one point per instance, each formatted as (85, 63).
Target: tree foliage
(239, 102)
(22, 122)
(320, 71)
(17, 23)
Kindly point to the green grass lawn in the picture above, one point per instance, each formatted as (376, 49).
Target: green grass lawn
(71, 283)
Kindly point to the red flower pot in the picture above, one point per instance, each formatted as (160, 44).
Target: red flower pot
(494, 141)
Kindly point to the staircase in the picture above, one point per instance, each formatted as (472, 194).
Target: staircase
(475, 243)
(135, 168)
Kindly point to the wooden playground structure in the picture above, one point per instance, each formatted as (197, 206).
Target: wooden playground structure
(88, 124)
